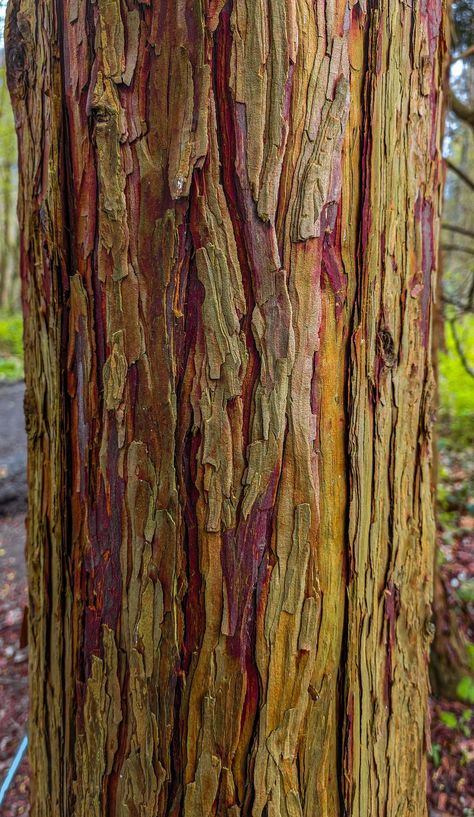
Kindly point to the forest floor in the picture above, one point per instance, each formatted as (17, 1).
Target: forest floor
(451, 770)
(13, 662)
(451, 773)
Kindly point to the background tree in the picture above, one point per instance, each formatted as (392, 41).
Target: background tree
(229, 219)
(458, 229)
(9, 257)
(451, 661)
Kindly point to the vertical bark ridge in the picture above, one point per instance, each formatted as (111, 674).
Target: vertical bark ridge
(391, 532)
(248, 185)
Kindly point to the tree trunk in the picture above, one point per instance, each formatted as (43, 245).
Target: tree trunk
(229, 215)
(9, 298)
(449, 662)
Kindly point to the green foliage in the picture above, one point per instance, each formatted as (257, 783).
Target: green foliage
(449, 719)
(7, 135)
(436, 754)
(11, 347)
(461, 723)
(10, 369)
(465, 718)
(9, 241)
(457, 389)
(466, 591)
(11, 335)
(465, 690)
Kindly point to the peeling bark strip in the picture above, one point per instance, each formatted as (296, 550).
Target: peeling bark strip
(229, 213)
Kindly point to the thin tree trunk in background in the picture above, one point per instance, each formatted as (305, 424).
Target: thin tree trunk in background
(230, 215)
(7, 255)
(449, 662)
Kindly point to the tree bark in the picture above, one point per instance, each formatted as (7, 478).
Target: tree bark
(229, 213)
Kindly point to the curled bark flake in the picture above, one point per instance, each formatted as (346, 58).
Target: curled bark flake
(188, 120)
(133, 37)
(111, 39)
(318, 182)
(97, 745)
(109, 133)
(226, 361)
(262, 81)
(201, 793)
(115, 373)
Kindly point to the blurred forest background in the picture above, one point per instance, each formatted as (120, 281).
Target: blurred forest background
(451, 782)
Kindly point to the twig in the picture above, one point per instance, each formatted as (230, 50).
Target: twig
(463, 55)
(470, 294)
(462, 356)
(461, 110)
(465, 178)
(463, 308)
(455, 248)
(460, 230)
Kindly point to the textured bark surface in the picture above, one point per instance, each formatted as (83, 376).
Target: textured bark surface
(229, 217)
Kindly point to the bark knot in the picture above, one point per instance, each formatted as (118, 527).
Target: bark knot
(387, 348)
(15, 52)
